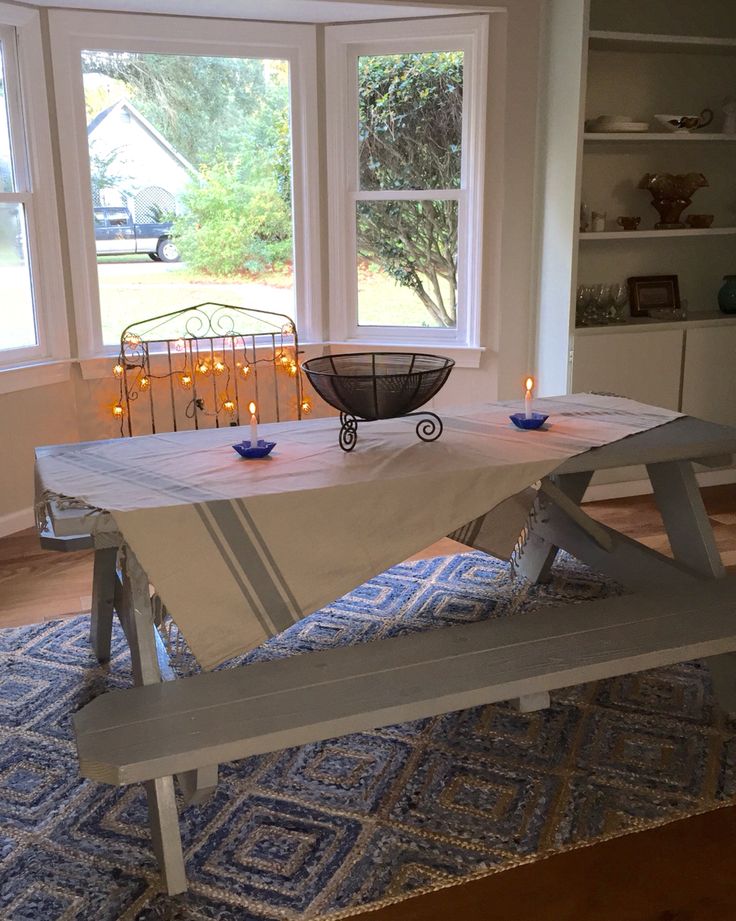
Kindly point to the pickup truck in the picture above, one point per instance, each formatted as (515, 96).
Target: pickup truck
(116, 233)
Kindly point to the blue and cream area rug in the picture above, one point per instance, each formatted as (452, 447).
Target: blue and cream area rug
(327, 830)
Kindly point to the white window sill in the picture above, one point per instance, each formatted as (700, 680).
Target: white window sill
(464, 356)
(34, 374)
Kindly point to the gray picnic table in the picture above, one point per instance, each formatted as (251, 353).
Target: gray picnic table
(676, 610)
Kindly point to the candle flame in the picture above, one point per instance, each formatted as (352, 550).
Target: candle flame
(252, 409)
(529, 384)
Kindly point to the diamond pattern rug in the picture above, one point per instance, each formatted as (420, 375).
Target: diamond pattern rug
(326, 830)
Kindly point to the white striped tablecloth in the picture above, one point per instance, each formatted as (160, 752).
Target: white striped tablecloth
(238, 550)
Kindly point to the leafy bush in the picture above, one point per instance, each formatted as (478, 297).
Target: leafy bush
(234, 220)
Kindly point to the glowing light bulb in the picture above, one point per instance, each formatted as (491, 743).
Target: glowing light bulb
(118, 370)
(285, 360)
(245, 370)
(144, 383)
(306, 406)
(218, 366)
(203, 367)
(186, 380)
(117, 410)
(229, 406)
(293, 369)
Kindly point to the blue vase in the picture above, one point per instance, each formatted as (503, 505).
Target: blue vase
(727, 294)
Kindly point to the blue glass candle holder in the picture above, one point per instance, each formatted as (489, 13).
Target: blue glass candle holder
(250, 451)
(536, 421)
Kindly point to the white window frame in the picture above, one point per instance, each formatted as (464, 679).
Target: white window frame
(28, 115)
(74, 31)
(344, 44)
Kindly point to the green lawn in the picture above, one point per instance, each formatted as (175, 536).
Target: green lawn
(134, 288)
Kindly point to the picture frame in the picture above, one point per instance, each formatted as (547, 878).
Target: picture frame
(653, 292)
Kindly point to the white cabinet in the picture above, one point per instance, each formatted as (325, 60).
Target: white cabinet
(644, 366)
(709, 378)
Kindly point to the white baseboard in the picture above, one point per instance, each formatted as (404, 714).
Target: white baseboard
(644, 487)
(16, 521)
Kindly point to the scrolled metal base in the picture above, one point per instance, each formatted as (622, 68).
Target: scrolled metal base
(348, 431)
(429, 428)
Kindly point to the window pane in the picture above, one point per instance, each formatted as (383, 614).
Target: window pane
(410, 110)
(190, 160)
(18, 328)
(407, 263)
(6, 163)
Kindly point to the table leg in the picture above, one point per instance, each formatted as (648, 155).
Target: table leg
(139, 627)
(538, 556)
(691, 539)
(103, 601)
(685, 518)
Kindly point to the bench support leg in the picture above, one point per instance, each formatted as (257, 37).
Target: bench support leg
(163, 819)
(104, 578)
(162, 812)
(539, 553)
(691, 539)
(529, 703)
(198, 785)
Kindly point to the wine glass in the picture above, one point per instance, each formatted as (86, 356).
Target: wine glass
(582, 303)
(620, 297)
(602, 300)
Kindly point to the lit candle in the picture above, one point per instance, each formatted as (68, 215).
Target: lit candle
(253, 425)
(529, 385)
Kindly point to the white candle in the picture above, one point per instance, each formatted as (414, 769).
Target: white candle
(253, 425)
(529, 384)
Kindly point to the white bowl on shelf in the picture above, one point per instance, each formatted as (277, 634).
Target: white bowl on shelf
(609, 124)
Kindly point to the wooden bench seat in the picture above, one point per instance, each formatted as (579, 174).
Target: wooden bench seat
(154, 731)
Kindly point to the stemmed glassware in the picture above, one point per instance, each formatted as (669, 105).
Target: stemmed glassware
(620, 297)
(597, 305)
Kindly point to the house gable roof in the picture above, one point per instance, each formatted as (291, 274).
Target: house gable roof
(145, 124)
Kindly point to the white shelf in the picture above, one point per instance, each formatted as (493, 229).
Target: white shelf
(643, 41)
(652, 234)
(654, 136)
(644, 324)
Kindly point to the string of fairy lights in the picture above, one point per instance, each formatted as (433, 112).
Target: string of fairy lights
(209, 369)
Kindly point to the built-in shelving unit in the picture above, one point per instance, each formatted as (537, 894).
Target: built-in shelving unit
(637, 74)
(654, 234)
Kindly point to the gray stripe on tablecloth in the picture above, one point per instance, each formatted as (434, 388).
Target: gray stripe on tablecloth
(266, 551)
(251, 564)
(202, 511)
(163, 484)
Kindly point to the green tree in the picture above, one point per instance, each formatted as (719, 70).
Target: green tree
(410, 111)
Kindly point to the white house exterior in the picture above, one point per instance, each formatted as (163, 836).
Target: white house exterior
(151, 171)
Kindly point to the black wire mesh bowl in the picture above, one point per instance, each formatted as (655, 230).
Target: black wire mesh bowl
(366, 386)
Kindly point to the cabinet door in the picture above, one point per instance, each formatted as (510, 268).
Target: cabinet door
(709, 386)
(644, 366)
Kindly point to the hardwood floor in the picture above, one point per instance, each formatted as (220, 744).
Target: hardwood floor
(681, 872)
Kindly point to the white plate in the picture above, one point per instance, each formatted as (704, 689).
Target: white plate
(613, 127)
